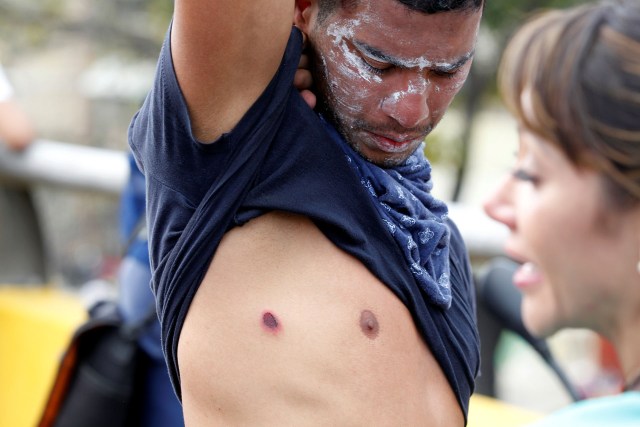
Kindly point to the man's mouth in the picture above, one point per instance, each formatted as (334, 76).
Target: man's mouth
(395, 143)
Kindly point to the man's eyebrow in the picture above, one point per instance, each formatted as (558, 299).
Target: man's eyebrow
(377, 54)
(448, 67)
(443, 67)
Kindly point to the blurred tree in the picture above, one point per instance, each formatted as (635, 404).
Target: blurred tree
(129, 26)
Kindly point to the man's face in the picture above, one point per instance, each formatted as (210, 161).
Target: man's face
(386, 74)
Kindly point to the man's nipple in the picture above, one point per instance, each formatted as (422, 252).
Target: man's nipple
(369, 324)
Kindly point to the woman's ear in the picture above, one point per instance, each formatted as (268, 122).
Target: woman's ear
(305, 13)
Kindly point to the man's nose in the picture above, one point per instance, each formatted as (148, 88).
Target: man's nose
(408, 106)
(498, 205)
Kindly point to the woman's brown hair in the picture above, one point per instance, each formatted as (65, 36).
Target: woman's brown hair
(582, 70)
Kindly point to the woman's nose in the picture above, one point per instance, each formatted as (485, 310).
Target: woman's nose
(498, 204)
(408, 106)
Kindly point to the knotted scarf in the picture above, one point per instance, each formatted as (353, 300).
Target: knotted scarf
(415, 218)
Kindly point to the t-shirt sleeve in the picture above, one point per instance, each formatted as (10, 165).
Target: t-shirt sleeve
(178, 169)
(162, 140)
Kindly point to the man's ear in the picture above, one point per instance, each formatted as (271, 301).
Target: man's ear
(305, 14)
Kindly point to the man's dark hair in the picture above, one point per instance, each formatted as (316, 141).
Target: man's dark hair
(425, 6)
(435, 6)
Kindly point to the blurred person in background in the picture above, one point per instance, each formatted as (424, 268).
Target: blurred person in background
(159, 405)
(572, 202)
(16, 130)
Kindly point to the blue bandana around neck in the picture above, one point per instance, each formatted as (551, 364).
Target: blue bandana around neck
(415, 219)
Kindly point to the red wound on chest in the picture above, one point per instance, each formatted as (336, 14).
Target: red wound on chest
(270, 322)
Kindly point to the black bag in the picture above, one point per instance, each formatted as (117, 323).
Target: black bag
(96, 383)
(98, 379)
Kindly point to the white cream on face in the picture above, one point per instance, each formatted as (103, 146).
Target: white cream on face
(415, 87)
(387, 74)
(351, 67)
(420, 63)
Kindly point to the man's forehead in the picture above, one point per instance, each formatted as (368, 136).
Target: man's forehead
(390, 28)
(404, 53)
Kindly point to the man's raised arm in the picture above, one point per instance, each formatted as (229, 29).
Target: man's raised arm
(225, 52)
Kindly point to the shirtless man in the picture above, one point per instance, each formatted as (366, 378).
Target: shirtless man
(286, 292)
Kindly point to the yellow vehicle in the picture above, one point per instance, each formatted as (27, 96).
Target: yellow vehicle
(36, 324)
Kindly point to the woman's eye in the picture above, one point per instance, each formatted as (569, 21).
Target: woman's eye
(522, 175)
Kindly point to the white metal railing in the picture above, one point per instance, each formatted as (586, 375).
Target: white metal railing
(105, 170)
(483, 236)
(68, 165)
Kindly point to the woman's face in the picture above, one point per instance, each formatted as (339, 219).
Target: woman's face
(578, 252)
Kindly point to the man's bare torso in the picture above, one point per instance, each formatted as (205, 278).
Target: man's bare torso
(287, 329)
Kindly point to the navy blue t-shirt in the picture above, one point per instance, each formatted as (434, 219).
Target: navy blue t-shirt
(278, 157)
